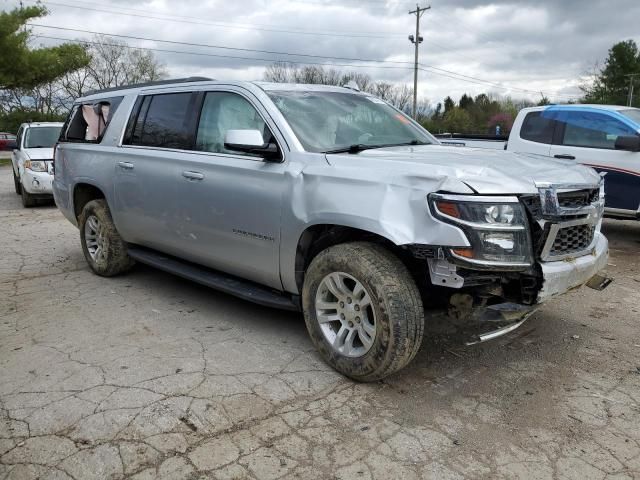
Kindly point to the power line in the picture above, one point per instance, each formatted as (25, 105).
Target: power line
(191, 44)
(481, 81)
(259, 59)
(289, 54)
(246, 26)
(203, 54)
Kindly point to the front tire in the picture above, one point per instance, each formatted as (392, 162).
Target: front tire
(363, 310)
(16, 183)
(103, 248)
(28, 200)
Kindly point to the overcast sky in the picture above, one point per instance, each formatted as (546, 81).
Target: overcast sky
(522, 46)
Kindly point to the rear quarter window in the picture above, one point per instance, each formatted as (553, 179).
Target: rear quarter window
(87, 122)
(537, 128)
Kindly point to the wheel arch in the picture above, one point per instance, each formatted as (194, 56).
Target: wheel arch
(83, 193)
(318, 237)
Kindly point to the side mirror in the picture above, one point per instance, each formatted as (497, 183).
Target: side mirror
(630, 143)
(250, 141)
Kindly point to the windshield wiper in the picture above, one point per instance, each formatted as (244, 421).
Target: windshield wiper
(359, 147)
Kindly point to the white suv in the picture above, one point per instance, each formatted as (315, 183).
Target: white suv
(33, 161)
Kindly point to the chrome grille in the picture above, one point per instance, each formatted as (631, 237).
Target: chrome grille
(578, 199)
(576, 238)
(563, 223)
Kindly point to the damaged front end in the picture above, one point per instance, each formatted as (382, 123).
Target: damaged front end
(521, 251)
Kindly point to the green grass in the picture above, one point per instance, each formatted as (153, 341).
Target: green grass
(5, 161)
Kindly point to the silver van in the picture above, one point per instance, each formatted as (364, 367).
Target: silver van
(329, 201)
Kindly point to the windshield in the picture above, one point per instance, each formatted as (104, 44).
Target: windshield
(41, 137)
(328, 121)
(632, 113)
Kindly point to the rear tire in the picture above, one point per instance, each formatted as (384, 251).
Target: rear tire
(16, 183)
(103, 248)
(363, 310)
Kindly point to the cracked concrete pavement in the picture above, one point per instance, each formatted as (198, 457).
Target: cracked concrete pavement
(148, 376)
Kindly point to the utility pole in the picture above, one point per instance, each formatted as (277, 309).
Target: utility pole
(417, 40)
(630, 97)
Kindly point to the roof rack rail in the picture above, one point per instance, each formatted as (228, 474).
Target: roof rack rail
(150, 84)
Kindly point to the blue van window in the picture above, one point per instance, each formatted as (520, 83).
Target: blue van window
(537, 127)
(592, 130)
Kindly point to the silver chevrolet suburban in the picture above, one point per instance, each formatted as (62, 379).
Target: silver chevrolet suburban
(329, 201)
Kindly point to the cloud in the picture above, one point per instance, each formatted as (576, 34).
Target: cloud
(542, 46)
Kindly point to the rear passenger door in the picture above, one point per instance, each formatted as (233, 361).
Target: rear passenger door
(179, 191)
(148, 177)
(589, 138)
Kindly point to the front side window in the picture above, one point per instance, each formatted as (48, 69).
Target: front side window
(593, 130)
(41, 137)
(327, 121)
(164, 121)
(537, 127)
(224, 111)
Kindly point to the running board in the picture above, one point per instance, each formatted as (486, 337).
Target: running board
(237, 287)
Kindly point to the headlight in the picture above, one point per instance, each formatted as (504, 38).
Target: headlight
(36, 165)
(495, 226)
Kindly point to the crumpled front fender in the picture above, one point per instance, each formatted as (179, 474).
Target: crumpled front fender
(389, 204)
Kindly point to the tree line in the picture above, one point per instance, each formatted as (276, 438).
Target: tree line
(40, 84)
(480, 114)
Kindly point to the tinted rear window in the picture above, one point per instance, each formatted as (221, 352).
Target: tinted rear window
(164, 121)
(537, 128)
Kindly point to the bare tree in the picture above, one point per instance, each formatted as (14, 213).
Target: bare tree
(401, 97)
(279, 72)
(114, 64)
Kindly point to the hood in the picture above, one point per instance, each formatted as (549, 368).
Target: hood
(39, 153)
(485, 171)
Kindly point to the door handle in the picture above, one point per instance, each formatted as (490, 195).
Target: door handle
(193, 175)
(565, 157)
(126, 165)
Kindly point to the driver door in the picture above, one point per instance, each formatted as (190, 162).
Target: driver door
(228, 204)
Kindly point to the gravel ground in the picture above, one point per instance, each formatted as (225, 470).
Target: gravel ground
(149, 376)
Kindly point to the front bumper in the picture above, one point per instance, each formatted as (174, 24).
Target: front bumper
(558, 277)
(37, 183)
(561, 276)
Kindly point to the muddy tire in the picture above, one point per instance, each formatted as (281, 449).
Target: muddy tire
(103, 248)
(16, 183)
(363, 310)
(28, 200)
